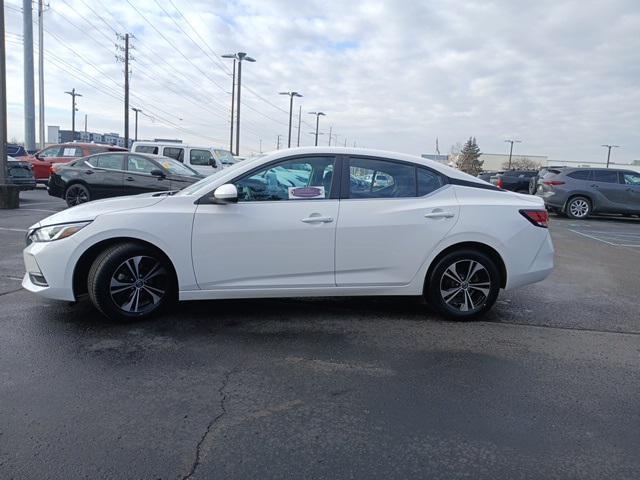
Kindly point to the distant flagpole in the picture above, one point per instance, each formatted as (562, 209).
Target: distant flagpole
(437, 147)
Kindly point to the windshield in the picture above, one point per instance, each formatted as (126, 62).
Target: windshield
(224, 156)
(176, 168)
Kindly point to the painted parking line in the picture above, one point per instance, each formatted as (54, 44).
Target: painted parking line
(613, 244)
(21, 230)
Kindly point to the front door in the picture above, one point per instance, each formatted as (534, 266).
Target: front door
(138, 178)
(391, 218)
(280, 234)
(631, 182)
(610, 193)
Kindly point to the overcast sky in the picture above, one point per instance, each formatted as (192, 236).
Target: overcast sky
(561, 75)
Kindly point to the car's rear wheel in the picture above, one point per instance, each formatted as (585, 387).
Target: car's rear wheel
(463, 285)
(77, 194)
(130, 281)
(578, 208)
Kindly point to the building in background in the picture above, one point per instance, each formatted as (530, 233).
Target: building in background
(436, 157)
(56, 135)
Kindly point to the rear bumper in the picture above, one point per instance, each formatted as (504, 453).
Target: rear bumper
(540, 268)
(55, 188)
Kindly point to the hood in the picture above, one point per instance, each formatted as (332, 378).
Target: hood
(90, 210)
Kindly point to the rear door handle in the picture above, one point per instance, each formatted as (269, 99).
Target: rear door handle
(317, 219)
(439, 215)
(130, 179)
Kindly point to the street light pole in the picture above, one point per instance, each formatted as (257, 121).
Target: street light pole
(291, 95)
(137, 110)
(278, 144)
(511, 150)
(330, 134)
(73, 94)
(240, 56)
(299, 123)
(317, 114)
(609, 147)
(233, 95)
(3, 108)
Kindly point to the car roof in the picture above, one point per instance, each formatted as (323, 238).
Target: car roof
(173, 144)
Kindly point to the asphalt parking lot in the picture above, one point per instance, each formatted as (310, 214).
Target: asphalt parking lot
(547, 386)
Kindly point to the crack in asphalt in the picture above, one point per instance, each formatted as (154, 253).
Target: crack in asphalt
(223, 397)
(557, 327)
(10, 291)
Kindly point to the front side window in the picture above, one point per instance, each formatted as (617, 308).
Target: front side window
(308, 178)
(111, 161)
(200, 157)
(147, 149)
(176, 168)
(631, 178)
(370, 178)
(607, 176)
(137, 164)
(175, 153)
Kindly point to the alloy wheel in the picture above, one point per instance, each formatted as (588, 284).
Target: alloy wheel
(465, 285)
(139, 284)
(579, 208)
(76, 195)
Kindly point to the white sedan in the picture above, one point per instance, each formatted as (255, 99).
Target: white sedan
(294, 223)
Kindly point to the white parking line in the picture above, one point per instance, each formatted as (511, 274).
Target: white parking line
(13, 229)
(604, 241)
(38, 210)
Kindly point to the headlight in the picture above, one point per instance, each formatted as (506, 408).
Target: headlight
(55, 232)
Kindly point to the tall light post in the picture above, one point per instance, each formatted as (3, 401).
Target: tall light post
(240, 57)
(318, 115)
(137, 110)
(291, 95)
(278, 142)
(609, 147)
(299, 123)
(73, 94)
(233, 95)
(511, 150)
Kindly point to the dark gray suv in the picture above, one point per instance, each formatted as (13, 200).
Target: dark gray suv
(579, 192)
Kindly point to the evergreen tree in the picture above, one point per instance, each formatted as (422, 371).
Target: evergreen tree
(469, 159)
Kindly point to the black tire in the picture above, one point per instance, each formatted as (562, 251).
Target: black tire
(122, 296)
(76, 194)
(482, 296)
(578, 208)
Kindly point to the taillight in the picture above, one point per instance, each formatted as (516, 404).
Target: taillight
(500, 183)
(553, 183)
(540, 218)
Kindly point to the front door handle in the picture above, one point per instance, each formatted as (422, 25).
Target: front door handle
(130, 179)
(439, 214)
(317, 219)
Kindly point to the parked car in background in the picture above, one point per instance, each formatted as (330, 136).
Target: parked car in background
(580, 192)
(486, 176)
(64, 153)
(270, 227)
(16, 151)
(20, 173)
(113, 174)
(205, 160)
(513, 180)
(534, 182)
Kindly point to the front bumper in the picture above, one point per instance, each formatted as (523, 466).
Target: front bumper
(48, 270)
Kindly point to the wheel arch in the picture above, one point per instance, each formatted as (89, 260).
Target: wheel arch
(491, 252)
(82, 266)
(573, 195)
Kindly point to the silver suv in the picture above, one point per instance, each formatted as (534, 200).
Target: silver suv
(580, 192)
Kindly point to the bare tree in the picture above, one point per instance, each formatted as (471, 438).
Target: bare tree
(522, 163)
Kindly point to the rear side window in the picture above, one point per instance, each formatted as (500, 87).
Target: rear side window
(606, 176)
(200, 157)
(371, 178)
(175, 153)
(147, 149)
(428, 181)
(580, 174)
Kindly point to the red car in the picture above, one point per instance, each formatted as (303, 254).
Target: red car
(63, 153)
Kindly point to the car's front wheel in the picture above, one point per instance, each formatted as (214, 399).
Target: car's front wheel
(578, 208)
(464, 284)
(130, 281)
(77, 194)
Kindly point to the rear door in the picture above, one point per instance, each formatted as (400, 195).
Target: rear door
(631, 181)
(105, 175)
(610, 193)
(392, 215)
(138, 178)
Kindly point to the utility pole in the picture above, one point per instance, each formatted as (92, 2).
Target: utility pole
(278, 144)
(85, 123)
(291, 95)
(511, 150)
(330, 134)
(125, 58)
(29, 94)
(233, 94)
(9, 194)
(240, 56)
(345, 141)
(299, 123)
(317, 114)
(41, 72)
(73, 94)
(609, 147)
(137, 110)
(260, 145)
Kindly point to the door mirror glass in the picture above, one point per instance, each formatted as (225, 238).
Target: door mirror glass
(227, 193)
(157, 173)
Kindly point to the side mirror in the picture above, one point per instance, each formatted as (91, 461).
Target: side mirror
(157, 173)
(227, 193)
(212, 162)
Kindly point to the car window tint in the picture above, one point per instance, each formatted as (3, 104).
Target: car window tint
(139, 164)
(109, 161)
(49, 152)
(370, 178)
(308, 178)
(200, 157)
(147, 149)
(428, 181)
(631, 178)
(580, 174)
(175, 153)
(607, 176)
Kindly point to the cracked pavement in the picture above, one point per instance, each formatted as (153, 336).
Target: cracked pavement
(546, 387)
